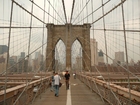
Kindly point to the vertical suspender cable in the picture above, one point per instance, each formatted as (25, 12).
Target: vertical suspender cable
(48, 12)
(139, 26)
(87, 10)
(30, 32)
(28, 52)
(126, 52)
(93, 31)
(106, 50)
(8, 52)
(105, 42)
(94, 54)
(3, 19)
(64, 10)
(43, 35)
(72, 10)
(53, 10)
(83, 13)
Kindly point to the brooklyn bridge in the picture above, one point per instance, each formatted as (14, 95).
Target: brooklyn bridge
(97, 40)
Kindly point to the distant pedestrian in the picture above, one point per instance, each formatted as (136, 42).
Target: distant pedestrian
(52, 82)
(74, 75)
(57, 79)
(67, 78)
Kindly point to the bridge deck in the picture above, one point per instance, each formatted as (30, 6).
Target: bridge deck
(78, 94)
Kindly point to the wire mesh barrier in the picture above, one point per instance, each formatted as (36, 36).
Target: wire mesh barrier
(103, 89)
(30, 92)
(110, 46)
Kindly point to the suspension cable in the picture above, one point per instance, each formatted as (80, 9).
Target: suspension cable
(45, 11)
(64, 11)
(72, 10)
(107, 84)
(81, 11)
(8, 52)
(92, 12)
(55, 11)
(108, 12)
(126, 53)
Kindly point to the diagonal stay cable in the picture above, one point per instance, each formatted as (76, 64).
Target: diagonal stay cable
(22, 59)
(28, 12)
(92, 12)
(108, 86)
(28, 83)
(47, 70)
(81, 11)
(64, 11)
(117, 63)
(95, 84)
(41, 81)
(93, 80)
(72, 10)
(56, 11)
(108, 11)
(9, 39)
(45, 11)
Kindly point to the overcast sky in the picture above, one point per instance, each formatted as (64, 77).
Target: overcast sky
(115, 39)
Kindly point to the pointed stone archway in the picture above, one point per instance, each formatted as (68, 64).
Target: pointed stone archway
(68, 33)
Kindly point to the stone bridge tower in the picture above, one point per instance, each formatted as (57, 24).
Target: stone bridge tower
(68, 33)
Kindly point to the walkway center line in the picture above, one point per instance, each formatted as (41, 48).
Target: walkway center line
(68, 97)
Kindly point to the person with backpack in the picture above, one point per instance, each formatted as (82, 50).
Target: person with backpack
(57, 79)
(52, 82)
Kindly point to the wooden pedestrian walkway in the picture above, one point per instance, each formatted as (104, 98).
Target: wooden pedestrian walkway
(78, 94)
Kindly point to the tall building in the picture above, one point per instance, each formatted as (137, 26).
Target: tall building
(22, 55)
(94, 53)
(3, 49)
(2, 59)
(36, 55)
(3, 62)
(12, 65)
(14, 58)
(100, 58)
(119, 56)
(22, 65)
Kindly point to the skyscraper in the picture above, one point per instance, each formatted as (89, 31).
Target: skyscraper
(22, 55)
(94, 53)
(100, 58)
(119, 56)
(3, 49)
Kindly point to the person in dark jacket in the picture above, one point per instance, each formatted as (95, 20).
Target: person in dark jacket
(67, 78)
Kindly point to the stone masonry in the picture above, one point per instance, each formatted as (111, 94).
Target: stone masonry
(68, 33)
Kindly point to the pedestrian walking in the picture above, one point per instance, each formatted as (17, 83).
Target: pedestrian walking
(67, 78)
(52, 82)
(57, 79)
(74, 75)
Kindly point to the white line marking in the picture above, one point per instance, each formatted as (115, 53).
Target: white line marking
(68, 97)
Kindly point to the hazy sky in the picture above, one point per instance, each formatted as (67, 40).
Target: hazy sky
(81, 14)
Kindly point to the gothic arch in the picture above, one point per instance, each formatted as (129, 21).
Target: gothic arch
(78, 40)
(68, 33)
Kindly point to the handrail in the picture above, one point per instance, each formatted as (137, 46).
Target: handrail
(14, 90)
(135, 95)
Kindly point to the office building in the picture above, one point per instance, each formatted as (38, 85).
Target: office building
(100, 58)
(3, 49)
(22, 55)
(94, 53)
(119, 57)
